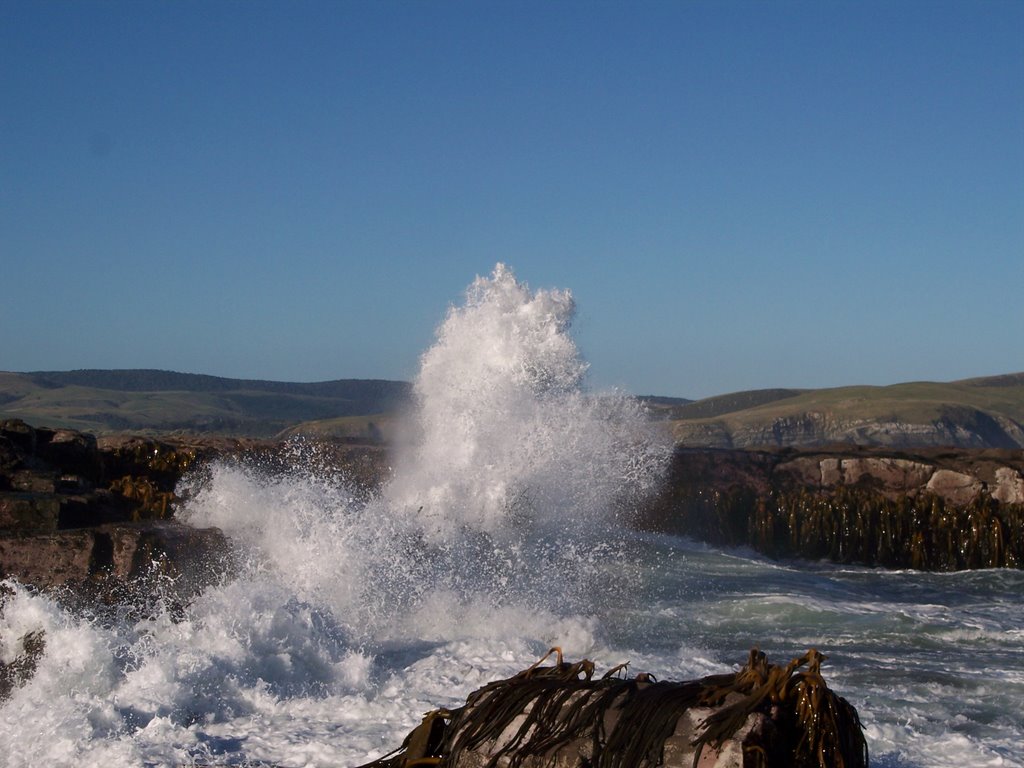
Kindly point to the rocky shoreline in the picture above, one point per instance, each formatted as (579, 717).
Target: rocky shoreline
(95, 518)
(938, 509)
(92, 513)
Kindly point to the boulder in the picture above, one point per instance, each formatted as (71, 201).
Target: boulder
(1008, 486)
(29, 512)
(561, 717)
(74, 452)
(811, 471)
(120, 551)
(889, 475)
(955, 488)
(48, 560)
(196, 555)
(892, 476)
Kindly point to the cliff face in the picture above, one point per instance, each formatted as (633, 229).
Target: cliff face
(957, 427)
(975, 413)
(97, 513)
(932, 509)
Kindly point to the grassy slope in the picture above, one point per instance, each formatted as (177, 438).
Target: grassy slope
(372, 426)
(198, 404)
(109, 401)
(911, 403)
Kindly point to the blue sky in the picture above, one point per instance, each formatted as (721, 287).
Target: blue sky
(739, 194)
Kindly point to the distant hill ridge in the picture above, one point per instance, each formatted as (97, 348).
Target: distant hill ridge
(984, 412)
(153, 380)
(734, 401)
(155, 401)
(1004, 380)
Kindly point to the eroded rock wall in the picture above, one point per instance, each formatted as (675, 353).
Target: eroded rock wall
(934, 509)
(80, 511)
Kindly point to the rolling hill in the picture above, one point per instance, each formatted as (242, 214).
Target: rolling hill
(151, 401)
(972, 413)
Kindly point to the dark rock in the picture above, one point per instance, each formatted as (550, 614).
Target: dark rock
(19, 434)
(73, 452)
(15, 673)
(120, 551)
(177, 550)
(48, 560)
(29, 512)
(561, 717)
(92, 508)
(10, 459)
(34, 481)
(97, 514)
(938, 509)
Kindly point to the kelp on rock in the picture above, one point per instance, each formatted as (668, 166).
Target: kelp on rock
(560, 716)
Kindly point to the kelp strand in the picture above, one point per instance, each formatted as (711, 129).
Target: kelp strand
(559, 716)
(853, 525)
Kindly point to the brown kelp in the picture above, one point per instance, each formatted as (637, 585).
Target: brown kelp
(857, 525)
(561, 715)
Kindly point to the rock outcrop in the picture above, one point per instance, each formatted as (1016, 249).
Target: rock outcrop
(561, 717)
(938, 509)
(78, 503)
(955, 427)
(94, 514)
(73, 511)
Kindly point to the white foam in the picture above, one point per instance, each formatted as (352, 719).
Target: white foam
(348, 617)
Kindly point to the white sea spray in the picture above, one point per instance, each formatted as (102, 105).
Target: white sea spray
(500, 534)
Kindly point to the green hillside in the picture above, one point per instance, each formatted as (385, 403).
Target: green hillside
(103, 401)
(984, 412)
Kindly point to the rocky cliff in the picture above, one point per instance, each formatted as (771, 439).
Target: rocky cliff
(95, 514)
(932, 509)
(74, 509)
(959, 428)
(976, 413)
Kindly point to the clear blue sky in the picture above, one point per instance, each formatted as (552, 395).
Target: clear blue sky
(739, 194)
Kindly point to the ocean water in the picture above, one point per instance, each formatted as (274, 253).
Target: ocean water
(503, 531)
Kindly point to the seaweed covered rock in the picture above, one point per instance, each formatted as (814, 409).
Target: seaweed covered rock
(560, 716)
(939, 510)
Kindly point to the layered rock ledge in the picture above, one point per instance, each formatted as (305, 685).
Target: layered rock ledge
(932, 509)
(75, 508)
(77, 511)
(86, 512)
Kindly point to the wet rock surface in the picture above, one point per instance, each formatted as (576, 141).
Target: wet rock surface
(561, 716)
(76, 508)
(931, 509)
(22, 664)
(79, 511)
